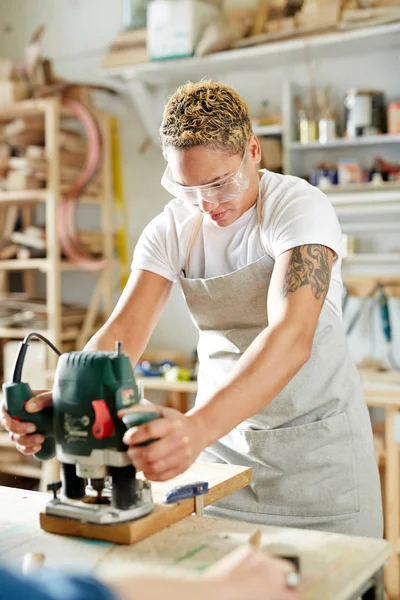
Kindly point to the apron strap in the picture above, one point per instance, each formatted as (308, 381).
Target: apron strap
(193, 236)
(260, 214)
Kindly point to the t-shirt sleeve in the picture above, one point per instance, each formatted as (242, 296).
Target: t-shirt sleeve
(304, 216)
(157, 249)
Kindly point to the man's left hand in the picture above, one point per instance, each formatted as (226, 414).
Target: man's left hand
(179, 441)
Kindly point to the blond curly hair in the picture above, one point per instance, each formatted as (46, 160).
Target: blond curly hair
(206, 113)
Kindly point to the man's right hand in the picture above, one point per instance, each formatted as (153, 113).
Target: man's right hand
(23, 433)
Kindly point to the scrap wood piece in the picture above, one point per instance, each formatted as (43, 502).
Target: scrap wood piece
(72, 141)
(24, 252)
(5, 152)
(266, 38)
(8, 250)
(33, 123)
(19, 180)
(38, 154)
(30, 237)
(17, 318)
(13, 91)
(32, 137)
(261, 16)
(128, 39)
(7, 70)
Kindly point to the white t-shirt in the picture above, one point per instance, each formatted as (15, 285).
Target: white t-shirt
(294, 213)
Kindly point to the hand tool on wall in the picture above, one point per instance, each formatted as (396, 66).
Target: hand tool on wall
(84, 432)
(378, 291)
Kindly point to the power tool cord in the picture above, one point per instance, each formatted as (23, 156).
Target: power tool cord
(19, 362)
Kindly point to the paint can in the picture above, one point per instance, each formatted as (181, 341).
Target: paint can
(365, 113)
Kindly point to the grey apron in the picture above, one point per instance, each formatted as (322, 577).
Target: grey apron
(311, 448)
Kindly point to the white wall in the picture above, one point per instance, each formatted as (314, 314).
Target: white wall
(79, 31)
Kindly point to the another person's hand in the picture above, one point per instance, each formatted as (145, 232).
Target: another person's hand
(244, 574)
(23, 434)
(179, 442)
(253, 576)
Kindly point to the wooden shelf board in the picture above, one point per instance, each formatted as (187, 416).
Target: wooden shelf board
(361, 285)
(261, 130)
(24, 108)
(19, 333)
(160, 383)
(34, 106)
(23, 196)
(40, 264)
(367, 140)
(356, 188)
(41, 195)
(24, 264)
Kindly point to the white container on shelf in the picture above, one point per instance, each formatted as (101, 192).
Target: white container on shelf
(174, 27)
(326, 130)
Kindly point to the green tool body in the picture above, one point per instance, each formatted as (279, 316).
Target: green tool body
(83, 429)
(16, 394)
(134, 419)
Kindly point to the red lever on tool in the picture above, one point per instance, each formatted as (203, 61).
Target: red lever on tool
(103, 426)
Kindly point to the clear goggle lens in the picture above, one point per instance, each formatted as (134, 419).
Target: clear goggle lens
(223, 190)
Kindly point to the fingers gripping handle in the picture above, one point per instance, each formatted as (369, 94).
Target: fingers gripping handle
(16, 394)
(134, 419)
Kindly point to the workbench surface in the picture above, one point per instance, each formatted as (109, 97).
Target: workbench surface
(334, 567)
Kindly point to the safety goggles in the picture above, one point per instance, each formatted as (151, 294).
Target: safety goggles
(223, 190)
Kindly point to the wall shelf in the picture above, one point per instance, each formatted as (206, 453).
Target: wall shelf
(255, 57)
(382, 200)
(368, 140)
(373, 258)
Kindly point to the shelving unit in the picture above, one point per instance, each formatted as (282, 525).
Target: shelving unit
(148, 83)
(13, 203)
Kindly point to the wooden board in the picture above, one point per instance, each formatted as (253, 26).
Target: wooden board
(333, 566)
(222, 479)
(361, 285)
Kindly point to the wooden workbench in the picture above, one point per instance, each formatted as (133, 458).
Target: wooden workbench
(386, 395)
(334, 567)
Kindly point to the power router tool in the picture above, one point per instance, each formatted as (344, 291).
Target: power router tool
(82, 429)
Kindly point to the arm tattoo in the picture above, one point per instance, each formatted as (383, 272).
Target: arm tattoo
(308, 265)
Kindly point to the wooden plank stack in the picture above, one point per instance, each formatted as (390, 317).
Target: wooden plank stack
(30, 242)
(282, 19)
(23, 163)
(12, 89)
(19, 310)
(128, 48)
